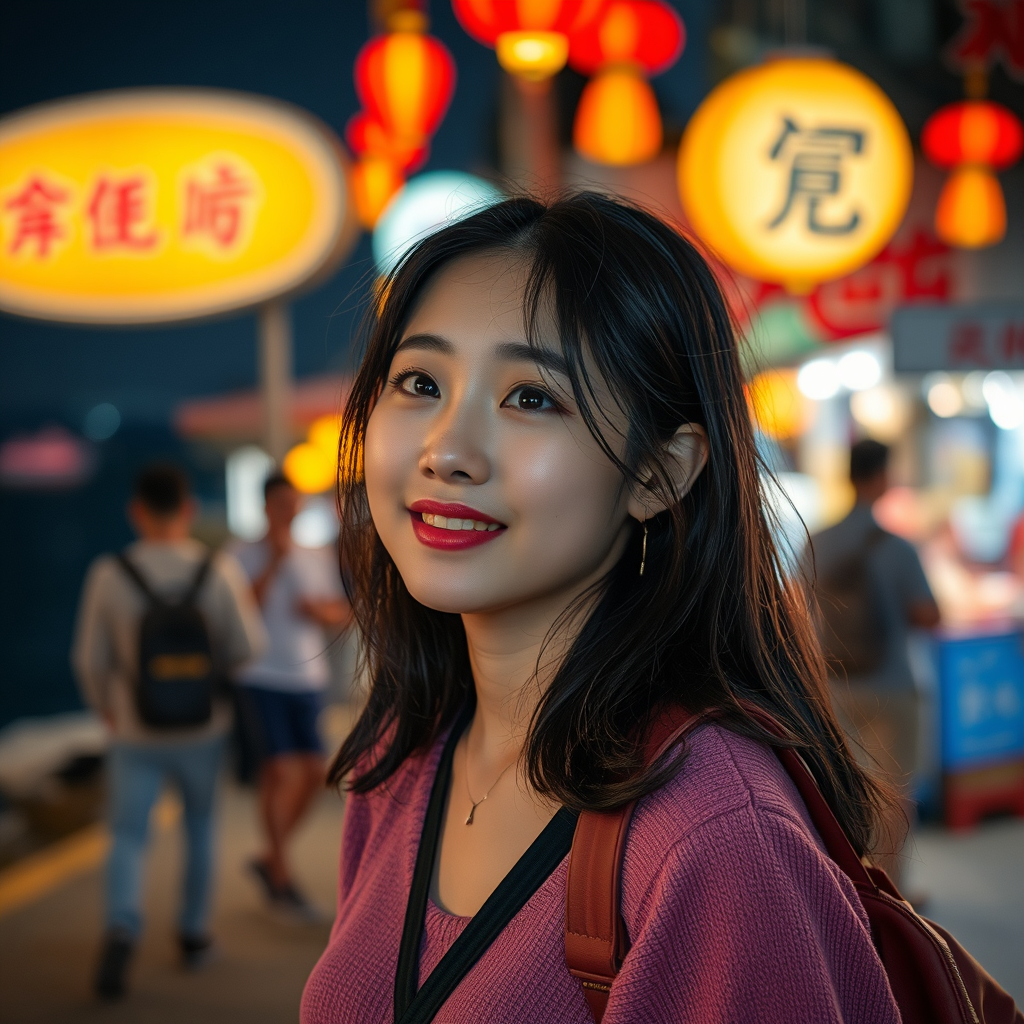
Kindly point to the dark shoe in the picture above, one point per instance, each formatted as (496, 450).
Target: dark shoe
(117, 951)
(262, 873)
(196, 951)
(296, 907)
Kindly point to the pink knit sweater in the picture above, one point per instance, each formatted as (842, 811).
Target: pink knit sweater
(735, 914)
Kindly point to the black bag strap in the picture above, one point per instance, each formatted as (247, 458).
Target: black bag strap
(529, 873)
(139, 580)
(154, 598)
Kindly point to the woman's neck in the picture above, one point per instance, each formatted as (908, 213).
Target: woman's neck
(512, 667)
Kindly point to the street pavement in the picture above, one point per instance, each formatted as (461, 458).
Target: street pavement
(48, 948)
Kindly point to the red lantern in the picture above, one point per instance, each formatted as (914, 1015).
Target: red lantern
(368, 137)
(532, 38)
(974, 139)
(375, 179)
(617, 120)
(405, 82)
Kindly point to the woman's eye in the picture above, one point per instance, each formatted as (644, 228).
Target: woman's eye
(420, 385)
(530, 399)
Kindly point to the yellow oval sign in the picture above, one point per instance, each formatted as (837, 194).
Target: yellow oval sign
(154, 205)
(796, 171)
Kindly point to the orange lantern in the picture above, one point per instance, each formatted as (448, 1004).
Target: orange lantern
(531, 38)
(375, 179)
(973, 138)
(405, 80)
(617, 120)
(366, 136)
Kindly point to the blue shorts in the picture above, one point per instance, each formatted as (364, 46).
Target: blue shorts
(286, 721)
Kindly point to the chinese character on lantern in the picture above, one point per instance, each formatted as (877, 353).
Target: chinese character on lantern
(33, 211)
(120, 214)
(215, 207)
(815, 157)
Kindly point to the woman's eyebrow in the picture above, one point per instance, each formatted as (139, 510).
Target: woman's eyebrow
(518, 352)
(428, 343)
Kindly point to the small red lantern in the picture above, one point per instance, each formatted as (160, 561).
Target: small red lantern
(532, 39)
(366, 136)
(375, 179)
(617, 120)
(973, 138)
(405, 80)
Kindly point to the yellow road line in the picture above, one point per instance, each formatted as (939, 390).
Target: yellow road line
(48, 869)
(41, 872)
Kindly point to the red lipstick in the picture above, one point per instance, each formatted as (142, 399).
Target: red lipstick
(444, 539)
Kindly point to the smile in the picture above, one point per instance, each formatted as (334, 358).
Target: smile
(452, 527)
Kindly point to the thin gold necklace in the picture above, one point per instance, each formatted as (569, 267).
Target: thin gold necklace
(477, 803)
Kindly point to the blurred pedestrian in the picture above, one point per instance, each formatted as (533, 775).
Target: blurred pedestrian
(300, 595)
(871, 589)
(158, 626)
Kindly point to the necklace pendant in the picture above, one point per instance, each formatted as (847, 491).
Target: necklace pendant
(469, 820)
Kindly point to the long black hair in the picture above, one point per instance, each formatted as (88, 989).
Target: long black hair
(713, 624)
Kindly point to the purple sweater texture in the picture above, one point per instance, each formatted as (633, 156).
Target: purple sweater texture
(735, 913)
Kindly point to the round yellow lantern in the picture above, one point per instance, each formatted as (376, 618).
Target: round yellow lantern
(796, 171)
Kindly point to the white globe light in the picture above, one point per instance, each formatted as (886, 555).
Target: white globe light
(859, 370)
(818, 379)
(422, 206)
(1005, 404)
(944, 399)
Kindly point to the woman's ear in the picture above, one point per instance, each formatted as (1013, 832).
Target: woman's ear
(685, 456)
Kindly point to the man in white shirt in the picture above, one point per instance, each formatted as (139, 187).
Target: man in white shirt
(106, 657)
(300, 595)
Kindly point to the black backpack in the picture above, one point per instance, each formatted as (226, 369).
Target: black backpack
(850, 627)
(177, 677)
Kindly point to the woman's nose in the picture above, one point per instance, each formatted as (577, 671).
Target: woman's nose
(455, 452)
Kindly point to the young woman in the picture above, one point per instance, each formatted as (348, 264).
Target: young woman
(555, 529)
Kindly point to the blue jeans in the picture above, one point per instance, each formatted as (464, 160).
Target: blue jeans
(137, 774)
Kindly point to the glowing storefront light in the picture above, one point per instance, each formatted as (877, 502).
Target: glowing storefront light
(426, 203)
(818, 379)
(942, 395)
(796, 171)
(154, 205)
(1005, 402)
(859, 370)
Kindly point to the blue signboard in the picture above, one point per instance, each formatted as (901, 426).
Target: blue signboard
(981, 697)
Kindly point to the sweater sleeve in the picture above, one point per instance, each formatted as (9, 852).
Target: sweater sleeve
(747, 922)
(93, 651)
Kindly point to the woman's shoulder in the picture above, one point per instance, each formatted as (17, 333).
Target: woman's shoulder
(729, 786)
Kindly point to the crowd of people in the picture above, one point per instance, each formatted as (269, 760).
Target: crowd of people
(244, 629)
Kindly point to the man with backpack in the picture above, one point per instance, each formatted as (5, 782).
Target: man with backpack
(159, 627)
(870, 590)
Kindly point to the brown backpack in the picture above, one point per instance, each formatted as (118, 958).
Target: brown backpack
(849, 625)
(933, 978)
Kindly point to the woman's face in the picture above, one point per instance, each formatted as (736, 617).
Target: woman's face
(484, 483)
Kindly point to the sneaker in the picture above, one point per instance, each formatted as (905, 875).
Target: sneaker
(117, 951)
(295, 906)
(196, 951)
(262, 873)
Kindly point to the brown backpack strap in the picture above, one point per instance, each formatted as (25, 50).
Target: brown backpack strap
(595, 934)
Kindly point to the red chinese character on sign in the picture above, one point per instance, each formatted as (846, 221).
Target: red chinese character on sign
(119, 214)
(1012, 344)
(967, 346)
(994, 30)
(34, 211)
(214, 208)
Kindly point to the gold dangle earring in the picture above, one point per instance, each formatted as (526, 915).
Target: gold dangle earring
(643, 549)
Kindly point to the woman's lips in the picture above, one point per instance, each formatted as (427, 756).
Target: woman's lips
(450, 526)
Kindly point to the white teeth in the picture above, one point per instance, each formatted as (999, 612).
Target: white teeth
(444, 523)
